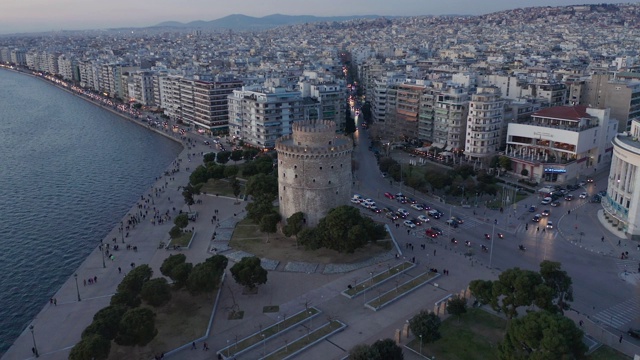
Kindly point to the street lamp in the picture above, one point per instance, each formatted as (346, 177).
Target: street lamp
(33, 336)
(310, 318)
(122, 231)
(264, 345)
(102, 252)
(493, 230)
(228, 347)
(77, 288)
(420, 344)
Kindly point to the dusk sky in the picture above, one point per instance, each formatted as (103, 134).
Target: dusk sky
(46, 15)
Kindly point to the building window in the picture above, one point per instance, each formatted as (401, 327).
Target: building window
(320, 167)
(330, 183)
(332, 166)
(314, 180)
(295, 166)
(296, 176)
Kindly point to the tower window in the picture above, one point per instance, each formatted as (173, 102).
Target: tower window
(329, 181)
(314, 180)
(296, 176)
(295, 166)
(320, 167)
(332, 166)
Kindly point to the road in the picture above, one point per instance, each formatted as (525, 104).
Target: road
(596, 278)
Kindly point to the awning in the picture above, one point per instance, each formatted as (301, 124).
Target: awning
(436, 145)
(446, 153)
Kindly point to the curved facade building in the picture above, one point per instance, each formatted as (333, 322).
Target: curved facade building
(314, 170)
(622, 203)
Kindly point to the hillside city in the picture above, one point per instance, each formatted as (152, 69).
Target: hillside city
(535, 103)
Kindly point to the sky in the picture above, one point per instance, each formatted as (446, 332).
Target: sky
(51, 15)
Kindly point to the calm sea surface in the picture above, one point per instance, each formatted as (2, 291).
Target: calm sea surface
(69, 171)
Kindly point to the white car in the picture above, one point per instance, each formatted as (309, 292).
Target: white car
(409, 224)
(549, 224)
(403, 212)
(583, 195)
(355, 201)
(417, 207)
(423, 218)
(546, 201)
(357, 197)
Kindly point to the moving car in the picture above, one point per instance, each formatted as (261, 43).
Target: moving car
(458, 219)
(437, 230)
(431, 233)
(416, 221)
(452, 223)
(589, 179)
(532, 209)
(375, 209)
(423, 219)
(549, 224)
(546, 212)
(536, 218)
(417, 207)
(554, 204)
(389, 195)
(391, 215)
(546, 201)
(403, 212)
(569, 197)
(583, 195)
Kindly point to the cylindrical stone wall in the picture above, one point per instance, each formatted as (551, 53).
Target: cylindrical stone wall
(314, 170)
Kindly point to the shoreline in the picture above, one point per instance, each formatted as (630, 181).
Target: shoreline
(160, 181)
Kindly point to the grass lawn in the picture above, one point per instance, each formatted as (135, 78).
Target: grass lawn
(183, 240)
(272, 330)
(475, 336)
(380, 277)
(402, 289)
(305, 340)
(247, 237)
(607, 353)
(221, 187)
(270, 308)
(180, 321)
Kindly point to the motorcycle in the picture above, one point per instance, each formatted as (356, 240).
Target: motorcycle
(501, 235)
(522, 248)
(454, 241)
(484, 248)
(487, 237)
(467, 243)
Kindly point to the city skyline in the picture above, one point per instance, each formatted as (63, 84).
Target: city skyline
(42, 15)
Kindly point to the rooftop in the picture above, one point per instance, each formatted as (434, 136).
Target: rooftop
(564, 112)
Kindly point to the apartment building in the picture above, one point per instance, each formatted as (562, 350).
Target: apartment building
(484, 123)
(621, 95)
(561, 143)
(450, 118)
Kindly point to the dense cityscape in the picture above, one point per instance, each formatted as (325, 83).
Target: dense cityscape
(490, 122)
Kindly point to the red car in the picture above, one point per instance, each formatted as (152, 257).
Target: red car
(389, 195)
(431, 233)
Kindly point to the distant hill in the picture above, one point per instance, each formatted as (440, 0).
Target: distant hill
(244, 22)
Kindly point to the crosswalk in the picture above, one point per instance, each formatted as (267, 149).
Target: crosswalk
(621, 314)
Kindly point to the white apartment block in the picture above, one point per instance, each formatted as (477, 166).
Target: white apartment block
(561, 143)
(484, 123)
(450, 118)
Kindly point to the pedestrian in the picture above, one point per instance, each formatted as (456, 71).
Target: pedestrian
(434, 252)
(205, 346)
(408, 231)
(119, 270)
(569, 212)
(618, 242)
(95, 279)
(55, 302)
(51, 301)
(193, 345)
(620, 340)
(602, 239)
(581, 322)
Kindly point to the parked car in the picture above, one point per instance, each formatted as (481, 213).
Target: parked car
(417, 207)
(634, 333)
(375, 209)
(431, 233)
(546, 201)
(596, 199)
(458, 219)
(409, 224)
(389, 195)
(416, 221)
(434, 213)
(583, 195)
(602, 193)
(403, 212)
(532, 208)
(437, 230)
(423, 218)
(582, 183)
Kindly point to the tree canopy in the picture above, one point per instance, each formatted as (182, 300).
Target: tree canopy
(205, 277)
(294, 225)
(91, 347)
(137, 327)
(385, 349)
(457, 306)
(541, 335)
(156, 292)
(249, 273)
(426, 325)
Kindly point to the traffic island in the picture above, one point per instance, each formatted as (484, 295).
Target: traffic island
(255, 339)
(378, 279)
(401, 290)
(306, 341)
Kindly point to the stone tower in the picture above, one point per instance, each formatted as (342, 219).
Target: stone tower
(314, 170)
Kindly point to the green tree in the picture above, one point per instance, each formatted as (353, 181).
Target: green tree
(264, 164)
(262, 185)
(180, 274)
(505, 163)
(170, 263)
(208, 158)
(524, 172)
(205, 277)
(134, 280)
(249, 154)
(249, 273)
(91, 347)
(426, 325)
(181, 221)
(215, 171)
(457, 306)
(235, 187)
(126, 299)
(269, 223)
(542, 335)
(361, 352)
(175, 232)
(137, 327)
(259, 208)
(387, 349)
(223, 157)
(294, 225)
(105, 322)
(156, 292)
(188, 192)
(199, 175)
(482, 290)
(236, 155)
(231, 171)
(559, 282)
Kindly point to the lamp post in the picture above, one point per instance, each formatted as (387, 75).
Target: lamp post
(420, 344)
(493, 230)
(33, 336)
(75, 276)
(278, 323)
(264, 345)
(228, 348)
(122, 231)
(102, 252)
(310, 318)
